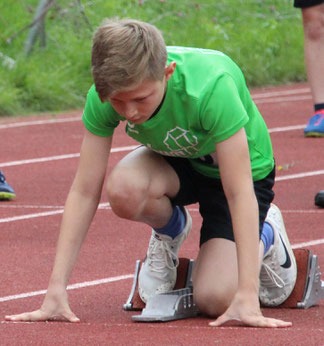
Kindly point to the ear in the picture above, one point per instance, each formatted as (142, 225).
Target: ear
(169, 70)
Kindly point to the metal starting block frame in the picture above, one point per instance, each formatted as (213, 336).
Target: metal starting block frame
(179, 303)
(314, 288)
(175, 305)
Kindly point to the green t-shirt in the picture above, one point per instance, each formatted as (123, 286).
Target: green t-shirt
(206, 102)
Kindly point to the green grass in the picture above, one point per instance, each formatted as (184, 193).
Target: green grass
(265, 37)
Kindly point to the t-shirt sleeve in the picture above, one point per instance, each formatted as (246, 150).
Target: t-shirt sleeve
(223, 112)
(99, 118)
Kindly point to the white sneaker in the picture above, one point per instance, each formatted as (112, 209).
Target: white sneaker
(279, 270)
(159, 270)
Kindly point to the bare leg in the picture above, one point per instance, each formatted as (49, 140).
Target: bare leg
(313, 20)
(139, 188)
(215, 276)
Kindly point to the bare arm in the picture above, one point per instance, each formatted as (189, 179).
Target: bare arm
(81, 204)
(80, 208)
(235, 170)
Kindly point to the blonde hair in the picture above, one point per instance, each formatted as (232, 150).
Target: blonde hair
(124, 53)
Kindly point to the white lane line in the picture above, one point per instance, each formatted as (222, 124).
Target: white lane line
(34, 206)
(40, 159)
(59, 157)
(300, 211)
(308, 243)
(70, 287)
(299, 175)
(281, 93)
(283, 99)
(31, 216)
(46, 213)
(39, 122)
(119, 278)
(287, 128)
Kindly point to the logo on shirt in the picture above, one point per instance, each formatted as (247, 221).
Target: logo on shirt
(131, 127)
(180, 142)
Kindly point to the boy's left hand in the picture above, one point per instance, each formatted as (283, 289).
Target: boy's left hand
(247, 310)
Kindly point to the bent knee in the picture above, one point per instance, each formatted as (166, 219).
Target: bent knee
(126, 193)
(212, 302)
(314, 25)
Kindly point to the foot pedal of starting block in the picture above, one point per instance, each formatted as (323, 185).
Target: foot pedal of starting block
(309, 289)
(174, 305)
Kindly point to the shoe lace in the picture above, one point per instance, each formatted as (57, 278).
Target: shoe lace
(271, 278)
(161, 254)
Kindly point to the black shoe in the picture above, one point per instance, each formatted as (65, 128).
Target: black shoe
(319, 199)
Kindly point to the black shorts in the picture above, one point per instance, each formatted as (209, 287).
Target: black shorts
(213, 207)
(307, 3)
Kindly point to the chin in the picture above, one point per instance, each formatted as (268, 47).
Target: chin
(140, 121)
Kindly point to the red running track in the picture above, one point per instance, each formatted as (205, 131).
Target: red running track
(39, 156)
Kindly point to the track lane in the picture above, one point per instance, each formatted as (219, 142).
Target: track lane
(30, 244)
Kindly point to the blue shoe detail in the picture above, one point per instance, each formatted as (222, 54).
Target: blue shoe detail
(315, 126)
(6, 191)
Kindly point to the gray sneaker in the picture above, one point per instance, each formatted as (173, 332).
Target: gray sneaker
(159, 270)
(278, 270)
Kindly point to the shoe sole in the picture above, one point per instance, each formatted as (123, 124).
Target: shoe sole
(6, 196)
(314, 134)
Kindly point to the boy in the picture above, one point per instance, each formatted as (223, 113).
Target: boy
(203, 141)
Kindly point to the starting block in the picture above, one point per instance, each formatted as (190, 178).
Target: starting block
(179, 303)
(309, 288)
(174, 305)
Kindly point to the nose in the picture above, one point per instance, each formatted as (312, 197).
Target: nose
(130, 111)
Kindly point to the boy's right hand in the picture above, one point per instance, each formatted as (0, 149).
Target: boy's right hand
(54, 307)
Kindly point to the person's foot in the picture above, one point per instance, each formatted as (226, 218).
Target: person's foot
(319, 199)
(159, 270)
(278, 270)
(315, 126)
(6, 191)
